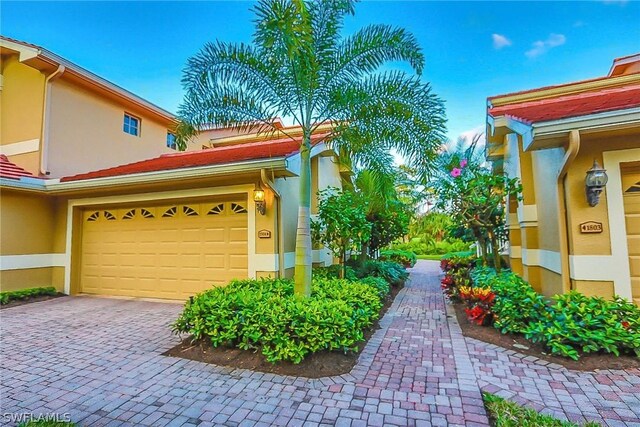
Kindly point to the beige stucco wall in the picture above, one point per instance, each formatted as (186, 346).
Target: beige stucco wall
(28, 226)
(578, 210)
(594, 288)
(15, 280)
(21, 103)
(27, 223)
(85, 132)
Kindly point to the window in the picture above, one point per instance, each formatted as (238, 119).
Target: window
(171, 140)
(131, 125)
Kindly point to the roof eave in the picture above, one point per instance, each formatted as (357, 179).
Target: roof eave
(553, 133)
(57, 187)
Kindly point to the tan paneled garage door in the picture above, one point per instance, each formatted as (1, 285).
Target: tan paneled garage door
(170, 251)
(631, 186)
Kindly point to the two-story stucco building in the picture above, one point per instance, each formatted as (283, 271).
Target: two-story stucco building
(562, 237)
(94, 199)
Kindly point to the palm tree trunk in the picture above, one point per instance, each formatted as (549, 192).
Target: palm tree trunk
(302, 275)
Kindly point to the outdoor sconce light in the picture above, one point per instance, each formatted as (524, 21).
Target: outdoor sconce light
(258, 197)
(595, 181)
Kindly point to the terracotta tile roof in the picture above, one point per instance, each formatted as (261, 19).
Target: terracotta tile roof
(11, 170)
(209, 157)
(543, 88)
(571, 105)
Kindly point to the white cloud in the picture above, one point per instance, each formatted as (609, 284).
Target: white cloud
(578, 24)
(468, 136)
(541, 47)
(500, 41)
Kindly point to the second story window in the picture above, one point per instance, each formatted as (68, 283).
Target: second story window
(171, 140)
(131, 125)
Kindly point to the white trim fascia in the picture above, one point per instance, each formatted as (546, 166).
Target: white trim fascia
(21, 262)
(528, 215)
(521, 128)
(55, 185)
(164, 195)
(25, 52)
(265, 262)
(22, 147)
(620, 268)
(599, 121)
(606, 268)
(270, 262)
(546, 259)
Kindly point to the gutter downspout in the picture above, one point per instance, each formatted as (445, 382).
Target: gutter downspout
(44, 131)
(280, 243)
(569, 157)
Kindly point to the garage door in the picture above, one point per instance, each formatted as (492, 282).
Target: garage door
(631, 183)
(171, 251)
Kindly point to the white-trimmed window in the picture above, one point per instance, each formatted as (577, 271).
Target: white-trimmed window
(131, 125)
(171, 140)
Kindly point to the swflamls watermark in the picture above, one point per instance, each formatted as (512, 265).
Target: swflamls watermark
(25, 417)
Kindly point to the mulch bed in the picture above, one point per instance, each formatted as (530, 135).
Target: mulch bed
(317, 365)
(16, 303)
(587, 362)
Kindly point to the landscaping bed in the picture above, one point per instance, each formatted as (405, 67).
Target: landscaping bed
(27, 296)
(316, 365)
(573, 330)
(587, 362)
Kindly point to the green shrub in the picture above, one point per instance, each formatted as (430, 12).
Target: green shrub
(576, 323)
(573, 324)
(509, 414)
(379, 284)
(419, 247)
(394, 273)
(333, 272)
(7, 297)
(517, 304)
(265, 315)
(406, 258)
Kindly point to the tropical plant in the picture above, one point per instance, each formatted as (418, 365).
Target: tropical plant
(387, 213)
(475, 197)
(300, 67)
(266, 316)
(342, 224)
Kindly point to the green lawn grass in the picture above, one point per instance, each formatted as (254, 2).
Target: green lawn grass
(431, 257)
(508, 414)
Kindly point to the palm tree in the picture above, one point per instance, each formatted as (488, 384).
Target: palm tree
(299, 67)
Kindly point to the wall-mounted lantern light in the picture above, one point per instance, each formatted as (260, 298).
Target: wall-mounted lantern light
(595, 181)
(258, 198)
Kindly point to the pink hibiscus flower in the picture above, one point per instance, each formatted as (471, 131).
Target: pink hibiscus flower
(463, 163)
(455, 172)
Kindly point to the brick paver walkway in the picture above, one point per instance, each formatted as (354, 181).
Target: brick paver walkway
(100, 361)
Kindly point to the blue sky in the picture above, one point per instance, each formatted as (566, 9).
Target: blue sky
(473, 49)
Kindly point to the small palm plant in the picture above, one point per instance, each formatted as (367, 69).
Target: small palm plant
(300, 67)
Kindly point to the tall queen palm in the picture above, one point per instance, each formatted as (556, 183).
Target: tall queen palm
(300, 67)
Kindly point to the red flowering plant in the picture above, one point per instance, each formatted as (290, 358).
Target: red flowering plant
(479, 302)
(457, 269)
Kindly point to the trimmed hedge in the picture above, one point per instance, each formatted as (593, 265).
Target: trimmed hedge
(569, 324)
(265, 315)
(7, 297)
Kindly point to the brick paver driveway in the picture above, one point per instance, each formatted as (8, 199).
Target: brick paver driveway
(100, 361)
